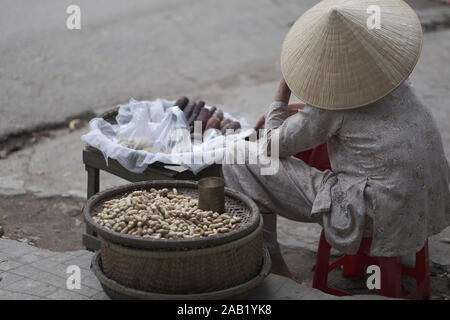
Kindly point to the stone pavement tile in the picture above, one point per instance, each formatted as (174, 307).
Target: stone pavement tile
(275, 281)
(43, 253)
(80, 253)
(318, 295)
(260, 293)
(31, 287)
(55, 280)
(63, 257)
(100, 296)
(269, 288)
(27, 258)
(62, 294)
(26, 271)
(83, 261)
(91, 281)
(277, 287)
(22, 252)
(8, 278)
(49, 266)
(8, 295)
(4, 244)
(6, 265)
(86, 291)
(61, 283)
(18, 246)
(18, 249)
(294, 291)
(49, 278)
(55, 274)
(58, 269)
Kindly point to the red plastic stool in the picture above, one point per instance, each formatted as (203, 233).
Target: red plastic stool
(391, 270)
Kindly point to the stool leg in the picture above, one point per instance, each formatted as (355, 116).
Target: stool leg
(391, 277)
(323, 259)
(353, 266)
(422, 273)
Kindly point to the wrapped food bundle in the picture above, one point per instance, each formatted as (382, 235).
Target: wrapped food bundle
(145, 132)
(182, 102)
(210, 117)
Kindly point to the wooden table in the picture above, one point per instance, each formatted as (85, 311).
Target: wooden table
(94, 161)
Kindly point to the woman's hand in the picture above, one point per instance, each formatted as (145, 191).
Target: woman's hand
(283, 93)
(261, 123)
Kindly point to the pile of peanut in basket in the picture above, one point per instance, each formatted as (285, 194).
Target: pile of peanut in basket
(163, 214)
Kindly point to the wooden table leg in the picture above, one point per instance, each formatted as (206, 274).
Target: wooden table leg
(93, 185)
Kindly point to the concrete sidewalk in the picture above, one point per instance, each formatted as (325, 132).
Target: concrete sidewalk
(30, 273)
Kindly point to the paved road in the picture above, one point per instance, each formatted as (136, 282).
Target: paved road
(150, 48)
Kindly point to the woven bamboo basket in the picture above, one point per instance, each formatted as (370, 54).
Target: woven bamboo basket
(185, 266)
(117, 291)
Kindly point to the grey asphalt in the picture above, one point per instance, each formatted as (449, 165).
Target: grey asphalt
(49, 74)
(142, 49)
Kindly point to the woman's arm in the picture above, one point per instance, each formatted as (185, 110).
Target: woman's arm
(304, 130)
(278, 110)
(283, 96)
(292, 109)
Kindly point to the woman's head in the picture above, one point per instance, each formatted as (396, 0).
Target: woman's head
(337, 57)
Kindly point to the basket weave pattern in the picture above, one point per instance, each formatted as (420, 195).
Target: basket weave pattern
(185, 272)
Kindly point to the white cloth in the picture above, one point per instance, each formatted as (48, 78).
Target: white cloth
(388, 169)
(157, 131)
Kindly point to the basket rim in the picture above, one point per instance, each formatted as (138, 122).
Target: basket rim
(217, 295)
(185, 253)
(148, 243)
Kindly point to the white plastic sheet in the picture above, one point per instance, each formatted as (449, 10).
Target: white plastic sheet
(157, 131)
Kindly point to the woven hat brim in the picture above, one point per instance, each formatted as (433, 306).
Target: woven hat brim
(331, 59)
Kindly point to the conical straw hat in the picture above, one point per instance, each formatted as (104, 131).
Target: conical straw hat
(331, 59)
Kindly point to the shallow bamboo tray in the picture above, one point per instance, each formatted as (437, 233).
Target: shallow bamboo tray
(117, 291)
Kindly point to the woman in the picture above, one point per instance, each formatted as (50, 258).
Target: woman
(389, 177)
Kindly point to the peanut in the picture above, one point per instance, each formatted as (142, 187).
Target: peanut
(164, 214)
